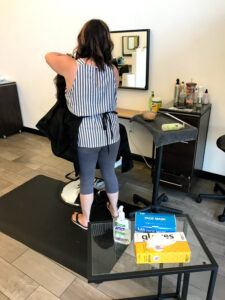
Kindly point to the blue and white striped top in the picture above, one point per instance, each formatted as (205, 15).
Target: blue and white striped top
(93, 93)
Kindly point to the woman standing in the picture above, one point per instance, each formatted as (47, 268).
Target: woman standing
(91, 93)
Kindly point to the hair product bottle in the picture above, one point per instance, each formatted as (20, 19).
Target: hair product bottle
(205, 97)
(200, 95)
(176, 92)
(182, 95)
(172, 126)
(190, 90)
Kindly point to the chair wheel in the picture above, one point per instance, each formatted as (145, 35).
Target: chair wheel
(221, 218)
(165, 198)
(198, 199)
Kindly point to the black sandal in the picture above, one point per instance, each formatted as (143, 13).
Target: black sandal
(76, 222)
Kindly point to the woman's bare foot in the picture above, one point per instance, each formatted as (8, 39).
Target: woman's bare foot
(80, 218)
(113, 212)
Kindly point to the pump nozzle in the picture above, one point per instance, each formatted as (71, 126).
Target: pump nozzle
(121, 213)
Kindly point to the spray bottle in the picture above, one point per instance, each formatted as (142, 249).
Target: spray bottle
(121, 228)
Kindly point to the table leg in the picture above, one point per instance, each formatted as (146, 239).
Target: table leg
(160, 285)
(179, 277)
(153, 158)
(212, 283)
(185, 227)
(185, 286)
(159, 152)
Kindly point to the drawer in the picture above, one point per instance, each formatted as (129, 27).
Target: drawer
(181, 183)
(178, 158)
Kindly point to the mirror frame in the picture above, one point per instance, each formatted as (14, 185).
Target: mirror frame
(147, 56)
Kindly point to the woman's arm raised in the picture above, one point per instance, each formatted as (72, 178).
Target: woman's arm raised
(60, 63)
(63, 64)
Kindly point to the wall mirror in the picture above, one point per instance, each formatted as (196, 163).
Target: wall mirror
(131, 57)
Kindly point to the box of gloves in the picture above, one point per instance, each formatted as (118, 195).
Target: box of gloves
(156, 239)
(161, 247)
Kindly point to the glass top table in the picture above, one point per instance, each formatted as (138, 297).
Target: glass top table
(109, 260)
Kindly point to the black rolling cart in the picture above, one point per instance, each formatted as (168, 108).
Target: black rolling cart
(160, 139)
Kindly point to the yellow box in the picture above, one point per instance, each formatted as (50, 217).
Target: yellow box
(161, 248)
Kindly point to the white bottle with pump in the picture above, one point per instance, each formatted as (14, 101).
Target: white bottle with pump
(205, 97)
(121, 228)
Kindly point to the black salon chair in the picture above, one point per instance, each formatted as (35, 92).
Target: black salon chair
(221, 145)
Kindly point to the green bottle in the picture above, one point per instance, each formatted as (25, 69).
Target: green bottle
(150, 100)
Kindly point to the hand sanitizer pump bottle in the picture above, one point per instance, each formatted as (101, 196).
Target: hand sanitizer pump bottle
(121, 228)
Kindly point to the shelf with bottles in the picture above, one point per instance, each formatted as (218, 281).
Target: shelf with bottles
(189, 95)
(193, 111)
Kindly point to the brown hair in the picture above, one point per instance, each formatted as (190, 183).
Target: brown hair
(94, 42)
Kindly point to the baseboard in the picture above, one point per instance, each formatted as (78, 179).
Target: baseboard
(209, 175)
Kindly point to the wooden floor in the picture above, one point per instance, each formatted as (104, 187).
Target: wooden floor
(26, 274)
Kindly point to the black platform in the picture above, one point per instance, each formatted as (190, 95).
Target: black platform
(35, 215)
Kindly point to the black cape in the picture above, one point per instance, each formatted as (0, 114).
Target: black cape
(61, 127)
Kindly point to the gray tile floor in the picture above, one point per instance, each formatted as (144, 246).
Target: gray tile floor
(26, 274)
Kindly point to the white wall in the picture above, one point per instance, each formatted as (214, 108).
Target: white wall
(187, 41)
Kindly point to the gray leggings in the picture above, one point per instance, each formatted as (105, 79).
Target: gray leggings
(88, 157)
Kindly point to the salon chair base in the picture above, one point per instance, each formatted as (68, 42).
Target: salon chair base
(217, 187)
(221, 218)
(150, 207)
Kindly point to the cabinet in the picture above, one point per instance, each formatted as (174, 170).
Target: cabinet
(181, 159)
(10, 114)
